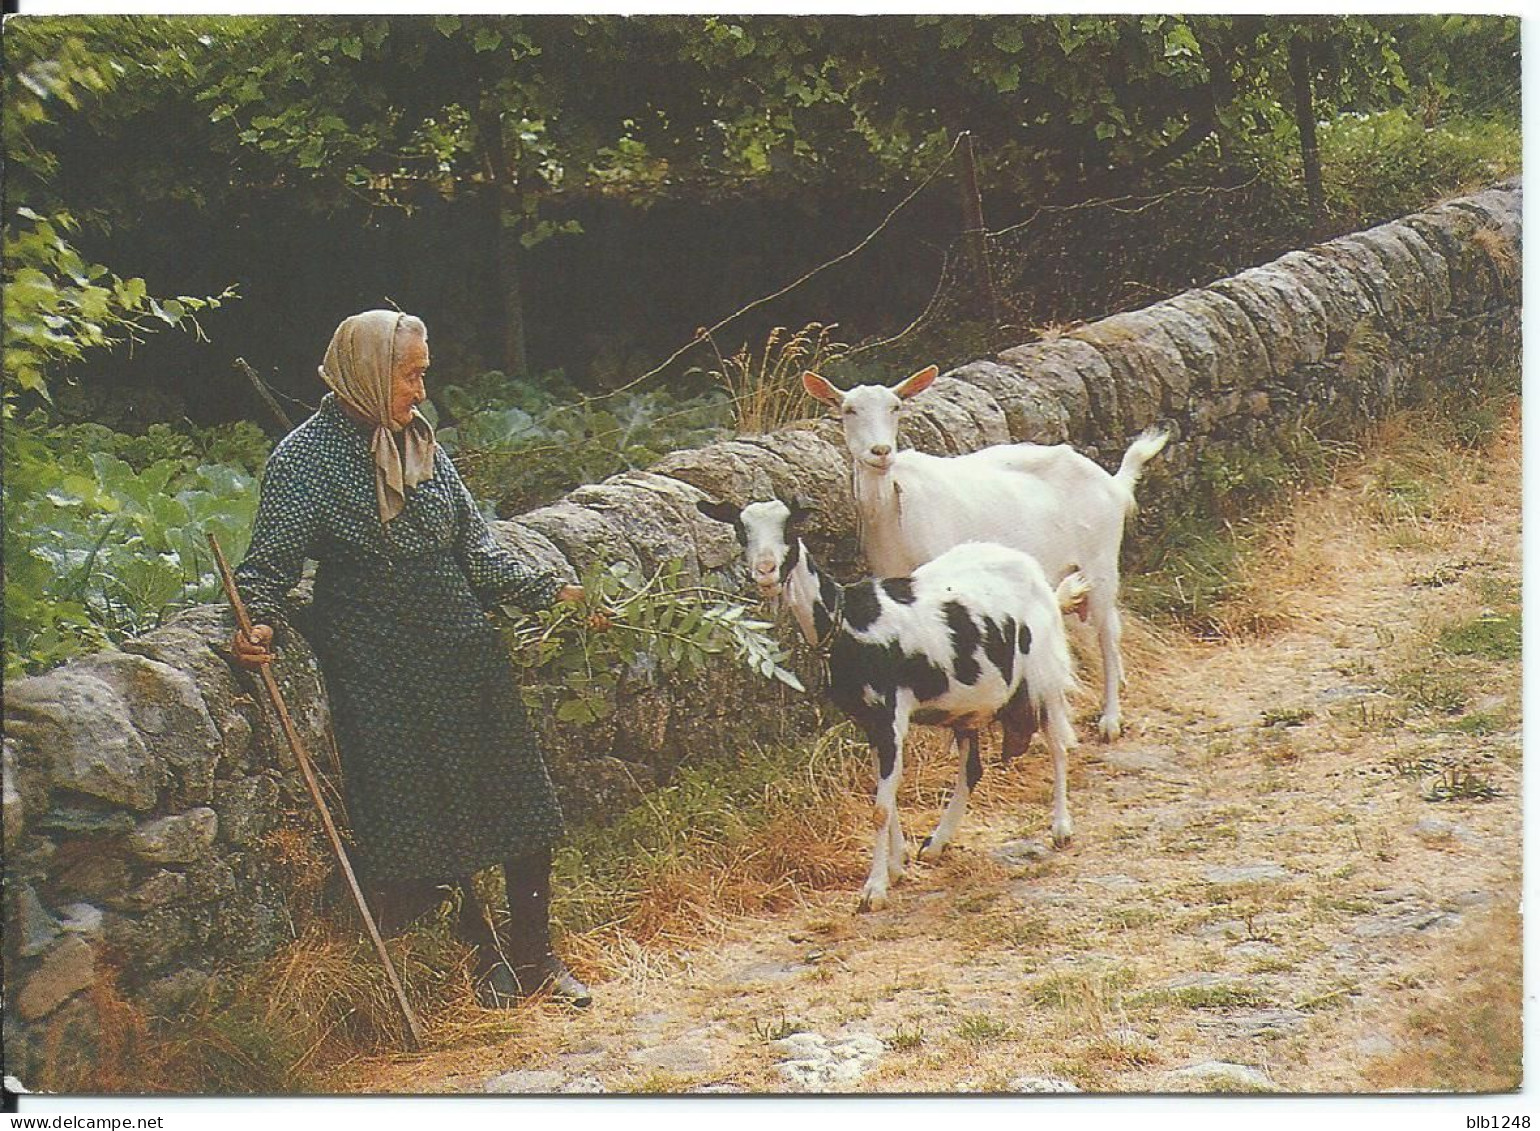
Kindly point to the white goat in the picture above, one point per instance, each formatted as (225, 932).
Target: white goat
(1049, 501)
(973, 636)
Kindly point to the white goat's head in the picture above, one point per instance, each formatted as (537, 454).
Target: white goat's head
(870, 414)
(768, 532)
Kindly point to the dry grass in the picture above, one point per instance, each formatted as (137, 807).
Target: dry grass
(1499, 255)
(766, 389)
(1080, 964)
(1462, 1033)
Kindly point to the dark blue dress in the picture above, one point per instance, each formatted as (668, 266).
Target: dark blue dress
(441, 771)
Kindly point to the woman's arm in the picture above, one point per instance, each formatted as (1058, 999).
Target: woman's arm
(495, 574)
(281, 539)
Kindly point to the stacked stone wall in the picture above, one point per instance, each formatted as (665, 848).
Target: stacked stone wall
(156, 831)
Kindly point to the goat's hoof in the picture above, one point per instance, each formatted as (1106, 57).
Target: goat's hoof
(1063, 839)
(872, 901)
(930, 850)
(1111, 730)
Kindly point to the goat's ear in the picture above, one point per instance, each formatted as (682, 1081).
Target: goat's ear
(799, 515)
(916, 382)
(820, 389)
(721, 512)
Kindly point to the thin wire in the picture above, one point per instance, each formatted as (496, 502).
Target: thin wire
(875, 232)
(706, 335)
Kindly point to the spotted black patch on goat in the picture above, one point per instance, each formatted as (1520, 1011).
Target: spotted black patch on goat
(1024, 640)
(1000, 646)
(856, 666)
(828, 598)
(862, 605)
(901, 589)
(965, 642)
(793, 555)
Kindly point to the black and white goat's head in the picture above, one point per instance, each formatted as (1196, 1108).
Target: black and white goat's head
(770, 533)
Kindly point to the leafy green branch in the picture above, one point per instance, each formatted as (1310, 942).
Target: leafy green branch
(657, 625)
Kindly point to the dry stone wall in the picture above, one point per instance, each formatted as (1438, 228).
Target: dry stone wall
(155, 830)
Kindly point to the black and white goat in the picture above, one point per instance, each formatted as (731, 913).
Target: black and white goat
(973, 636)
(1049, 500)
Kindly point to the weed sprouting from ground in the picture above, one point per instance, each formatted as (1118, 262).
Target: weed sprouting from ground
(982, 1029)
(1491, 636)
(905, 1038)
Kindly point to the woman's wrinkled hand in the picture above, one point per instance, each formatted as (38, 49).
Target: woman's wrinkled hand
(255, 650)
(599, 620)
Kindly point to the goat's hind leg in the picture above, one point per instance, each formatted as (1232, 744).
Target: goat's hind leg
(1060, 734)
(1109, 634)
(969, 770)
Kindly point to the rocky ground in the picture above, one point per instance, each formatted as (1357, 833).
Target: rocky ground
(1279, 873)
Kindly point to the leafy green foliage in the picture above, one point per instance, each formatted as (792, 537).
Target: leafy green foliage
(657, 626)
(105, 533)
(1388, 163)
(58, 306)
(521, 443)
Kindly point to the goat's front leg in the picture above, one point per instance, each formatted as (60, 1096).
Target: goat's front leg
(888, 850)
(969, 770)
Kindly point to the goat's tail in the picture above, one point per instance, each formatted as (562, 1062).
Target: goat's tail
(1144, 448)
(1071, 594)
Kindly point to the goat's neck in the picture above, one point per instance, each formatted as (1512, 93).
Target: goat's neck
(814, 600)
(879, 497)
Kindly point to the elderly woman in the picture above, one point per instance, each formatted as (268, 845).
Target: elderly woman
(441, 773)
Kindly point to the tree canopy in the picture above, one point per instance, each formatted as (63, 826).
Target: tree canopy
(518, 120)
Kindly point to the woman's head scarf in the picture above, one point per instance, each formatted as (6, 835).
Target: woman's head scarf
(359, 366)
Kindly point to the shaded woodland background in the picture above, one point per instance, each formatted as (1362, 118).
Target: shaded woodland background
(569, 200)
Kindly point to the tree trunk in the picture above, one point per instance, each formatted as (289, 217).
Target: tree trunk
(502, 220)
(1304, 116)
(509, 279)
(975, 239)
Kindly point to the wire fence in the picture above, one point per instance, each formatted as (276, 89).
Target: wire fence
(1001, 286)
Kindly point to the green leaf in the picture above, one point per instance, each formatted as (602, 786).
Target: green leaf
(1008, 38)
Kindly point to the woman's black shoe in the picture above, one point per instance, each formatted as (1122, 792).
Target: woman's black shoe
(497, 988)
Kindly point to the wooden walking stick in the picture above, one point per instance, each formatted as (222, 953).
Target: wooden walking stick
(414, 1037)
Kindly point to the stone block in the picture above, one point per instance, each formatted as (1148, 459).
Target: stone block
(1075, 374)
(1241, 361)
(181, 838)
(80, 728)
(63, 972)
(1148, 370)
(531, 547)
(651, 531)
(584, 536)
(169, 713)
(1030, 413)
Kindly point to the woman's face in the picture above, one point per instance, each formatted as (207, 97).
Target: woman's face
(406, 387)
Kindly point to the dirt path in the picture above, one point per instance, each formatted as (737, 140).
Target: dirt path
(1305, 843)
